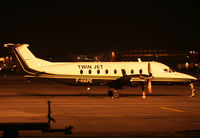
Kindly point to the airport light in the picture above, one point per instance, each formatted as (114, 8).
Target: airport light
(192, 52)
(187, 65)
(2, 59)
(113, 56)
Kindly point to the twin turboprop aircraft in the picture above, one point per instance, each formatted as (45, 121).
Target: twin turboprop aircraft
(115, 75)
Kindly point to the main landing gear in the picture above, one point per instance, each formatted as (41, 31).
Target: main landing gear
(113, 93)
(193, 90)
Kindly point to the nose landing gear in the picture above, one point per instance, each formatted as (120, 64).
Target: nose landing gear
(193, 90)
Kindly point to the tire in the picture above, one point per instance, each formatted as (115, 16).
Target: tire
(116, 95)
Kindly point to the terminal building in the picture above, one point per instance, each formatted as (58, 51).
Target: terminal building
(177, 59)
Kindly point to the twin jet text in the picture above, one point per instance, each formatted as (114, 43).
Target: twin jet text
(90, 66)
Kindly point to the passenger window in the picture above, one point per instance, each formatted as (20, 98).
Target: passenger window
(98, 71)
(81, 71)
(106, 71)
(115, 71)
(132, 71)
(89, 71)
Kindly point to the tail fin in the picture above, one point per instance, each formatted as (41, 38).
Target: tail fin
(28, 62)
(27, 56)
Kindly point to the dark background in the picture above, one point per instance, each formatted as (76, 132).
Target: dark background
(58, 27)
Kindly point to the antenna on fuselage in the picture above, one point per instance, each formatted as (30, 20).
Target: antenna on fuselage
(139, 60)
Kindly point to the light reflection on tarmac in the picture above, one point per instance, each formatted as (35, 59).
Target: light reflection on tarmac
(168, 111)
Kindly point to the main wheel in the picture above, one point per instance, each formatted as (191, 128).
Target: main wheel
(115, 95)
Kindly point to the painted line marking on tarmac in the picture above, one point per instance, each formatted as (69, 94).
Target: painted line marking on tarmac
(171, 109)
(23, 115)
(104, 115)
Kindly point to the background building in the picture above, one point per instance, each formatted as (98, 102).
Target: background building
(181, 60)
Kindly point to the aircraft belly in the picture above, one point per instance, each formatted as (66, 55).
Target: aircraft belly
(171, 79)
(160, 79)
(75, 79)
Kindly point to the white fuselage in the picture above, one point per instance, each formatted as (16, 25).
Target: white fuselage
(105, 70)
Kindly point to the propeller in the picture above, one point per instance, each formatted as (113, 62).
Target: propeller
(125, 77)
(150, 77)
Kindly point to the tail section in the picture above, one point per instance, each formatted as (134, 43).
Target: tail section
(27, 56)
(27, 61)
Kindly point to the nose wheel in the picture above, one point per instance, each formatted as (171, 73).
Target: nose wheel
(192, 90)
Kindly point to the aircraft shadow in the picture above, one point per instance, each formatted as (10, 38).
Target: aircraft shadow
(98, 95)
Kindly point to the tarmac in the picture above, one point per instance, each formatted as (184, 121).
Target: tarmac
(167, 112)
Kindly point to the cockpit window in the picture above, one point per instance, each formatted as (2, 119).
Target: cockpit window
(169, 70)
(165, 70)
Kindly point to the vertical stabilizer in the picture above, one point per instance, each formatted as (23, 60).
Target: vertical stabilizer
(25, 59)
(29, 59)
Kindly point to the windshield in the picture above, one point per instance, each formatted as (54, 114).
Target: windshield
(169, 70)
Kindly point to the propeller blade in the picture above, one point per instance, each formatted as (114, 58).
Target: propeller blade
(149, 70)
(124, 72)
(149, 78)
(140, 71)
(149, 86)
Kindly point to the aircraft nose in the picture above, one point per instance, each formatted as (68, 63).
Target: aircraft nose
(191, 77)
(188, 77)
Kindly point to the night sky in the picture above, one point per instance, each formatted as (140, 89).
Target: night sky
(57, 27)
